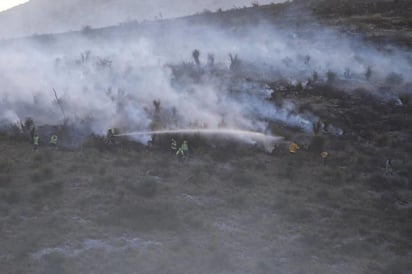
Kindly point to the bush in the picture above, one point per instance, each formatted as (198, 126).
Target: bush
(398, 266)
(43, 174)
(48, 190)
(42, 156)
(332, 176)
(317, 144)
(143, 218)
(394, 79)
(147, 187)
(13, 197)
(331, 76)
(237, 201)
(5, 180)
(6, 167)
(383, 141)
(54, 263)
(380, 182)
(368, 73)
(243, 180)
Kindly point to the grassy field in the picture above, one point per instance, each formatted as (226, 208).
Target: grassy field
(133, 210)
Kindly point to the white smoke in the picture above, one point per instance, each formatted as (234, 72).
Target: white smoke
(109, 80)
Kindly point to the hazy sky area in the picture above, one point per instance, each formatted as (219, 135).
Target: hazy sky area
(6, 4)
(51, 16)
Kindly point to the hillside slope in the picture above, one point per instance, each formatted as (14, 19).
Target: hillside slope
(231, 207)
(48, 16)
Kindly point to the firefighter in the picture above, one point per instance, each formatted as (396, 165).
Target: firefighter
(185, 148)
(173, 146)
(293, 148)
(36, 140)
(180, 155)
(388, 167)
(110, 137)
(324, 155)
(53, 141)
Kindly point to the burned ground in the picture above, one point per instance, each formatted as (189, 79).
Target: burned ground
(228, 209)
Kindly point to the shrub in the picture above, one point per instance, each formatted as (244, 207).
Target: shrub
(6, 167)
(315, 77)
(394, 79)
(235, 62)
(12, 197)
(316, 127)
(332, 176)
(380, 182)
(142, 218)
(48, 190)
(398, 265)
(43, 174)
(243, 180)
(147, 187)
(196, 55)
(331, 76)
(42, 156)
(368, 73)
(5, 180)
(86, 30)
(237, 201)
(383, 141)
(317, 144)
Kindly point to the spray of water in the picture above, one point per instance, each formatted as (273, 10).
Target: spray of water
(253, 137)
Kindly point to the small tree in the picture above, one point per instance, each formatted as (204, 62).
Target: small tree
(210, 60)
(317, 144)
(394, 79)
(86, 30)
(368, 73)
(196, 55)
(315, 76)
(234, 62)
(316, 126)
(347, 73)
(331, 76)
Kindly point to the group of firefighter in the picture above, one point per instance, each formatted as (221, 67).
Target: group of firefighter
(293, 149)
(182, 151)
(36, 139)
